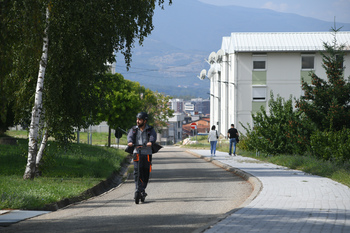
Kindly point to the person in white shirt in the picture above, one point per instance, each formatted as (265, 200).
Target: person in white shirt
(213, 138)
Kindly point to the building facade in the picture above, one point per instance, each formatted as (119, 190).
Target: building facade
(172, 133)
(251, 65)
(177, 105)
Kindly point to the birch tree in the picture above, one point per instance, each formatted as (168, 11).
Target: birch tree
(37, 108)
(83, 35)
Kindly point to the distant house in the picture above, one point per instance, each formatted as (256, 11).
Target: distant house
(251, 65)
(203, 126)
(172, 133)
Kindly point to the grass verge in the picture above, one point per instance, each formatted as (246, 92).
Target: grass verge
(65, 173)
(96, 138)
(339, 172)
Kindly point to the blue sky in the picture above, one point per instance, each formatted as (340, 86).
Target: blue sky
(319, 9)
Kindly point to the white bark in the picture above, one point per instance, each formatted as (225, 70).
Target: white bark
(42, 148)
(29, 172)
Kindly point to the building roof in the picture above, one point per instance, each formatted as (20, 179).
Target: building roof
(282, 41)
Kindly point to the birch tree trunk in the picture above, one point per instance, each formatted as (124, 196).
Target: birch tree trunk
(41, 149)
(29, 172)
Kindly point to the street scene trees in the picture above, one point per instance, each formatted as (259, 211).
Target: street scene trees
(78, 39)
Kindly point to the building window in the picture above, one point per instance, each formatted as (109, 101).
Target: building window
(259, 61)
(259, 65)
(307, 62)
(340, 60)
(259, 93)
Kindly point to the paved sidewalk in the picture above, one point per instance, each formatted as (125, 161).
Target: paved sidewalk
(8, 217)
(289, 200)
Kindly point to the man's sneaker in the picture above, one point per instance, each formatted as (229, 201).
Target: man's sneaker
(143, 196)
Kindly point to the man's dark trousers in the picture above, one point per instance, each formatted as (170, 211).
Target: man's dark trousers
(145, 167)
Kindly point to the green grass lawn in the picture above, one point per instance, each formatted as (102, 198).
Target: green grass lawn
(97, 138)
(65, 173)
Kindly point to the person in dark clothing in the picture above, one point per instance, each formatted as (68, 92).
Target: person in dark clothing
(232, 134)
(141, 136)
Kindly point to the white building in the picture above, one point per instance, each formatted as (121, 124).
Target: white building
(173, 132)
(250, 65)
(177, 105)
(188, 107)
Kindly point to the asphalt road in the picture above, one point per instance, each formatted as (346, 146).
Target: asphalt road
(185, 193)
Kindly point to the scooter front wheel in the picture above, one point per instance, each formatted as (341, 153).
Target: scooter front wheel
(137, 197)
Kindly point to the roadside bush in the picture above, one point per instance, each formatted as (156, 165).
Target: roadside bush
(331, 145)
(283, 131)
(244, 143)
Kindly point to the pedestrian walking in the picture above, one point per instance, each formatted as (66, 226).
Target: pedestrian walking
(213, 138)
(232, 134)
(141, 137)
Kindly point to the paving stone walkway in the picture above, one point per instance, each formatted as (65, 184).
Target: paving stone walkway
(289, 200)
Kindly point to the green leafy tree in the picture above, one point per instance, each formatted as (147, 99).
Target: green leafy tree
(116, 27)
(157, 106)
(121, 101)
(20, 41)
(79, 38)
(327, 102)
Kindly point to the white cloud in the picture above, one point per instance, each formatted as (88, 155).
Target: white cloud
(283, 7)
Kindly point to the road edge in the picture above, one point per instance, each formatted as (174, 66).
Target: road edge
(254, 182)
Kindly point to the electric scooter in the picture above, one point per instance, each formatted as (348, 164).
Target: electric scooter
(138, 196)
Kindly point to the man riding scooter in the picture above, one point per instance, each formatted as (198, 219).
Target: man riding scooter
(141, 137)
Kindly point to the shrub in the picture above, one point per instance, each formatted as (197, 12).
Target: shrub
(282, 131)
(331, 145)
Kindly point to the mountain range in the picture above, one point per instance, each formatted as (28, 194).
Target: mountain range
(186, 32)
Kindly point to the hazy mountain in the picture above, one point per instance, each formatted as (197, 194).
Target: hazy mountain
(188, 31)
